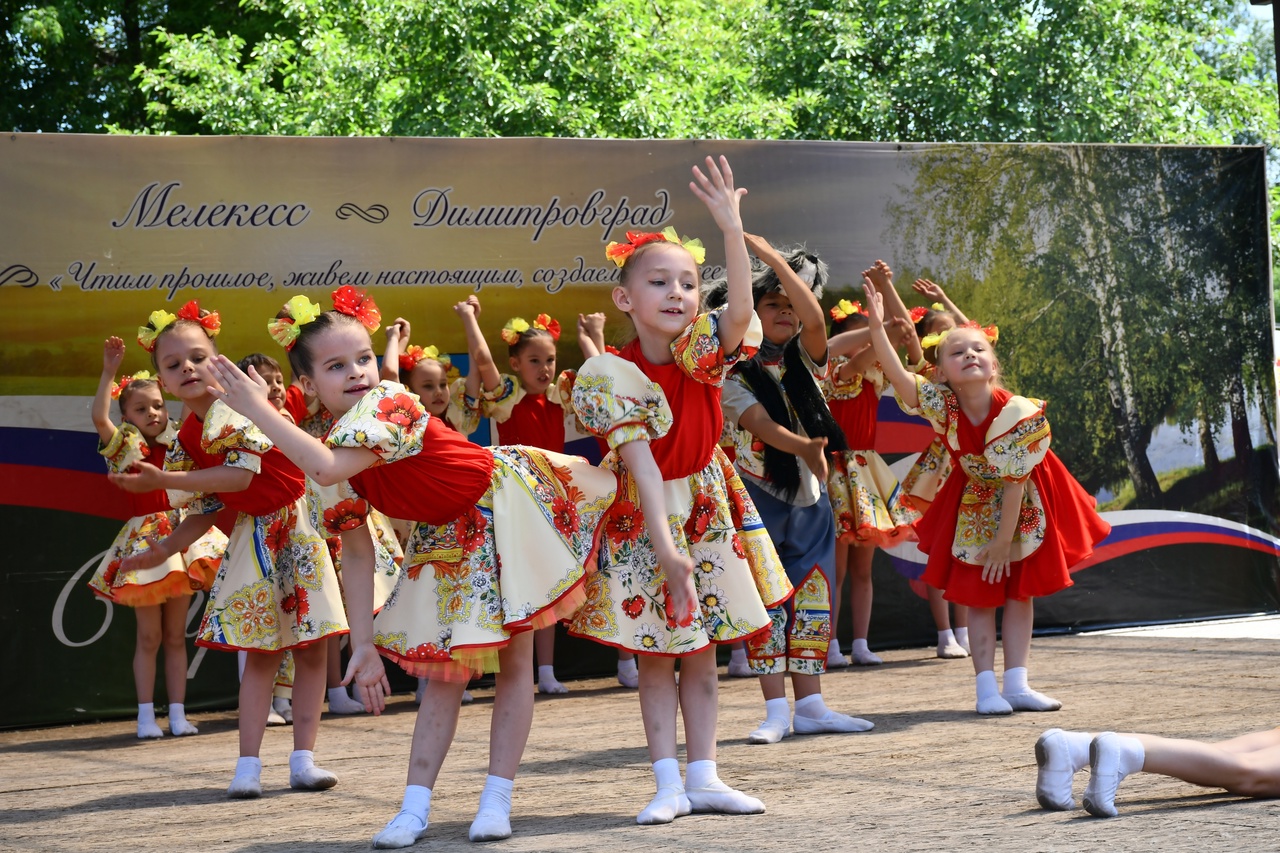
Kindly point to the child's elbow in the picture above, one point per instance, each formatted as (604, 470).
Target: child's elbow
(326, 478)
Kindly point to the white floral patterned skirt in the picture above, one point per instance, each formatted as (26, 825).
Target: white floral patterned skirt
(515, 561)
(866, 500)
(276, 588)
(736, 570)
(181, 574)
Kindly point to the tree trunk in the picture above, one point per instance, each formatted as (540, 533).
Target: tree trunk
(1133, 434)
(1207, 447)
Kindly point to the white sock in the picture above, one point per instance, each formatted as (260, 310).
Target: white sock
(1015, 680)
(410, 823)
(547, 681)
(962, 636)
(628, 667)
(301, 759)
(702, 774)
(738, 654)
(666, 772)
(860, 646)
(417, 802)
(708, 794)
(246, 783)
(493, 816)
(178, 723)
(811, 706)
(147, 727)
(946, 637)
(496, 794)
(1078, 749)
(1132, 755)
(304, 775)
(778, 709)
(986, 684)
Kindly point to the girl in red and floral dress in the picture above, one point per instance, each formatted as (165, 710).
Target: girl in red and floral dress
(1010, 521)
(276, 589)
(503, 542)
(160, 595)
(686, 563)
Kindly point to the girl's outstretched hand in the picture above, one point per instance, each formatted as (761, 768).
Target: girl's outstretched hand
(246, 393)
(149, 559)
(142, 477)
(815, 456)
(469, 306)
(112, 354)
(715, 189)
(366, 671)
(875, 302)
(995, 561)
(927, 288)
(762, 249)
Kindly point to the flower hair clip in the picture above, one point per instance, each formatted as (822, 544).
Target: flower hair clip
(992, 334)
(548, 325)
(917, 313)
(410, 358)
(511, 332)
(844, 309)
(211, 322)
(353, 302)
(620, 252)
(118, 388)
(298, 312)
(157, 322)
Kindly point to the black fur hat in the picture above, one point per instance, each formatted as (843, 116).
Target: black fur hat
(811, 269)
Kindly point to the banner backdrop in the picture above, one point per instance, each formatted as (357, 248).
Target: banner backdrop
(1131, 286)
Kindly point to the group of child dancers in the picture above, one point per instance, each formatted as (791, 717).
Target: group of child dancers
(666, 549)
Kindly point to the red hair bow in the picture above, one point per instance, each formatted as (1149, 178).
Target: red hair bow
(211, 322)
(353, 302)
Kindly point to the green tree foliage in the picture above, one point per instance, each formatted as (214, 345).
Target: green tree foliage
(70, 65)
(1125, 282)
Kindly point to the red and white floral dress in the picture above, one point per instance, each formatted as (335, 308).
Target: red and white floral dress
(737, 572)
(276, 588)
(504, 537)
(864, 493)
(151, 516)
(538, 420)
(1058, 525)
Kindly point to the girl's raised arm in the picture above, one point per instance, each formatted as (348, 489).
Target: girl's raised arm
(935, 292)
(397, 341)
(248, 396)
(903, 382)
(808, 311)
(482, 364)
(112, 356)
(716, 190)
(591, 334)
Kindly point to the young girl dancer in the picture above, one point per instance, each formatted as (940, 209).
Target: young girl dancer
(276, 589)
(784, 432)
(864, 493)
(504, 538)
(1010, 521)
(432, 376)
(686, 562)
(533, 406)
(160, 595)
(1248, 765)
